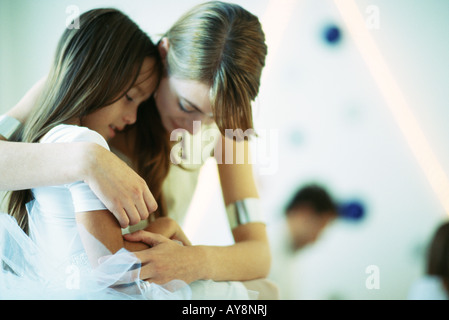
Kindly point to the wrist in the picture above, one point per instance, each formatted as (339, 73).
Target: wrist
(87, 161)
(201, 263)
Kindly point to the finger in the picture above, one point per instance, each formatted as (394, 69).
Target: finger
(146, 272)
(182, 240)
(121, 216)
(142, 209)
(150, 202)
(147, 237)
(133, 214)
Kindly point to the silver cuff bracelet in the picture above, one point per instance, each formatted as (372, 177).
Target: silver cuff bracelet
(8, 125)
(243, 212)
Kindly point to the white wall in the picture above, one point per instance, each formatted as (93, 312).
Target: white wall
(334, 127)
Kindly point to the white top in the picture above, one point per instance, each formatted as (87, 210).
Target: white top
(53, 211)
(55, 231)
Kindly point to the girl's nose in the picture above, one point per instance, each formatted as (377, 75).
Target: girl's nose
(130, 116)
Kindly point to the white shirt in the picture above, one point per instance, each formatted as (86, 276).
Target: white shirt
(53, 210)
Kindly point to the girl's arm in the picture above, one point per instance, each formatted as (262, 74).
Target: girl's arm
(102, 230)
(168, 228)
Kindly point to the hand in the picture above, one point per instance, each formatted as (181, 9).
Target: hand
(121, 189)
(167, 259)
(168, 228)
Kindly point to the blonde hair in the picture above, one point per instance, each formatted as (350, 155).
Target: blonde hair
(216, 43)
(222, 45)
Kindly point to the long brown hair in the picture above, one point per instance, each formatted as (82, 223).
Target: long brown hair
(151, 152)
(216, 43)
(93, 67)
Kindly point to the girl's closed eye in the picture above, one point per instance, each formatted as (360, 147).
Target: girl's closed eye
(128, 98)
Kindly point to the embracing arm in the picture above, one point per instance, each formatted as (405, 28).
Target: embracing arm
(22, 109)
(249, 258)
(28, 165)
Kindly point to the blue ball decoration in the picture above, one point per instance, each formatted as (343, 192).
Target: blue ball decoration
(352, 210)
(332, 34)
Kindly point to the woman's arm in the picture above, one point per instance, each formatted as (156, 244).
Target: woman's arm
(29, 165)
(123, 192)
(249, 258)
(22, 109)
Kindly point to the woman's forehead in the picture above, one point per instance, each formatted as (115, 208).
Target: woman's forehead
(192, 91)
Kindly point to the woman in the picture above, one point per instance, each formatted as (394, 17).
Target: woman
(213, 58)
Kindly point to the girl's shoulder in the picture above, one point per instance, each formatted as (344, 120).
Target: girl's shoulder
(72, 133)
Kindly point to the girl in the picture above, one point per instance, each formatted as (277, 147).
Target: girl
(100, 75)
(213, 57)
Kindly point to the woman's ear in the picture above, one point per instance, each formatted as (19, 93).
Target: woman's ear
(163, 47)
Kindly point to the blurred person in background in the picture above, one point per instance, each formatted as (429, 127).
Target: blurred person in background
(434, 285)
(307, 214)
